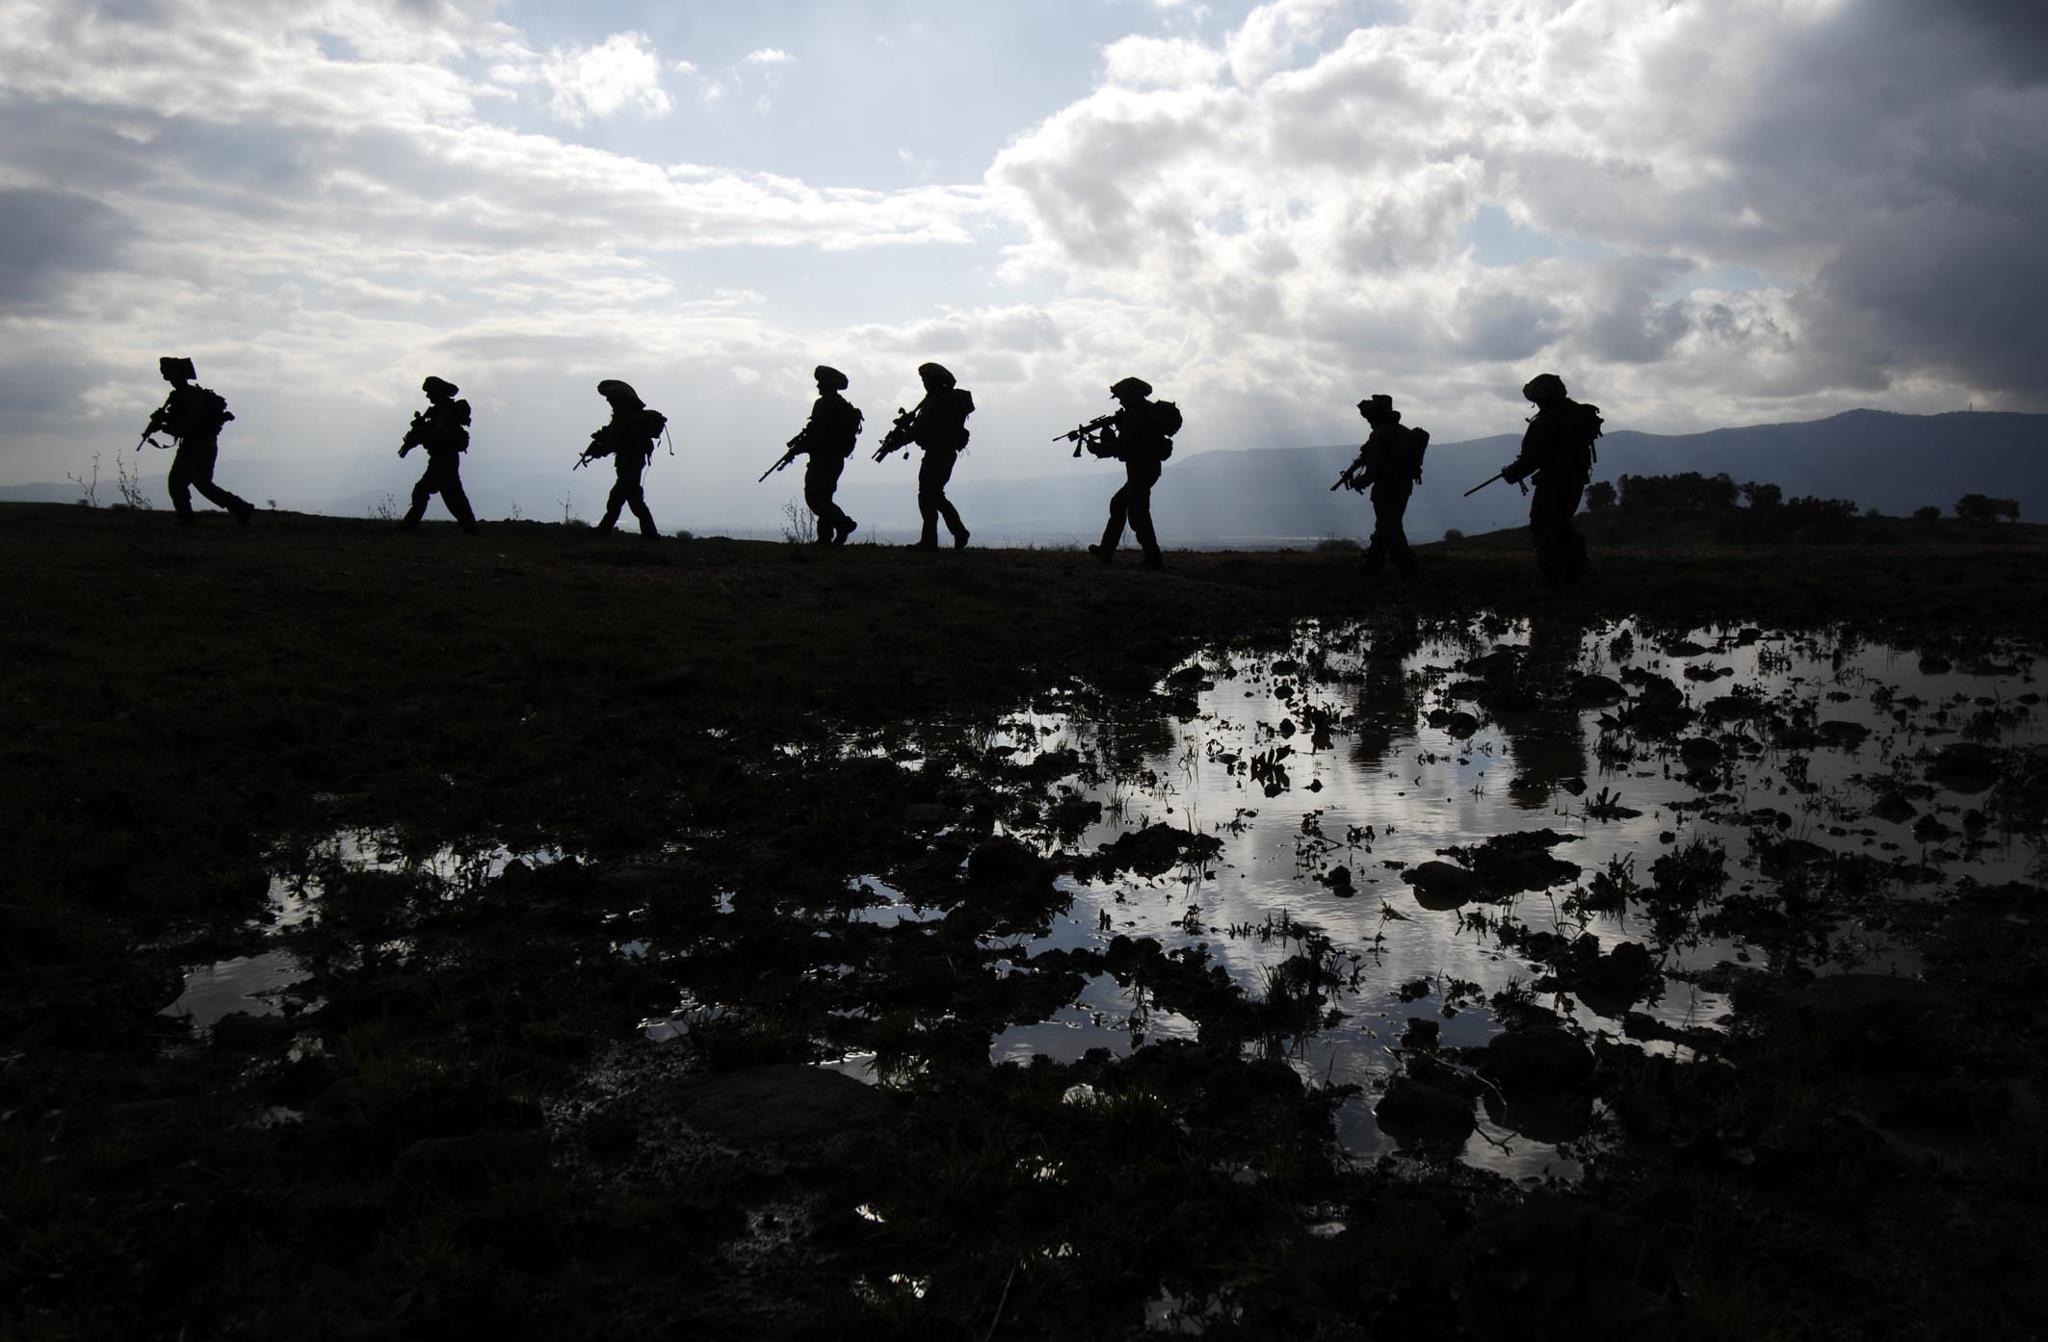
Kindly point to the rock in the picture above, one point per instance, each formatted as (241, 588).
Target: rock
(1496, 665)
(1461, 725)
(1842, 732)
(781, 1103)
(1153, 851)
(1414, 1111)
(1600, 691)
(1700, 753)
(1421, 1033)
(1004, 861)
(484, 1157)
(1894, 807)
(1876, 1021)
(1544, 1058)
(1339, 881)
(1683, 647)
(1931, 665)
(1440, 885)
(240, 1032)
(1966, 766)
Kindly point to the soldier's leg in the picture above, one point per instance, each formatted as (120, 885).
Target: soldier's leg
(1376, 550)
(624, 483)
(932, 474)
(944, 472)
(180, 483)
(637, 500)
(1138, 507)
(456, 499)
(1398, 551)
(1119, 511)
(818, 498)
(201, 472)
(422, 490)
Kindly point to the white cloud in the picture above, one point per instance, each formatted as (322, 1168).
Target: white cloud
(769, 56)
(601, 81)
(1161, 62)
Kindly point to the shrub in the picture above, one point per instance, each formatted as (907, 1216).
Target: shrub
(1600, 496)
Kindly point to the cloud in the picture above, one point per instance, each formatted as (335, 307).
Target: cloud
(1161, 62)
(52, 235)
(601, 81)
(769, 56)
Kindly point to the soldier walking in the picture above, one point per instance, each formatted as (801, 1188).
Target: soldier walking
(1140, 435)
(628, 439)
(443, 430)
(1390, 464)
(938, 425)
(827, 438)
(194, 416)
(1557, 449)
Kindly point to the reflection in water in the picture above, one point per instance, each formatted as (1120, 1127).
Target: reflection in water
(1453, 741)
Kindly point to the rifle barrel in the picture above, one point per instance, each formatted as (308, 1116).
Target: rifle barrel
(1484, 483)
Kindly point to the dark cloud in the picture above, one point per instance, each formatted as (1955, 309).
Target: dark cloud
(1503, 325)
(52, 236)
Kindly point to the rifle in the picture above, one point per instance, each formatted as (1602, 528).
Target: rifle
(156, 418)
(899, 432)
(1487, 481)
(786, 457)
(416, 436)
(1085, 435)
(1346, 477)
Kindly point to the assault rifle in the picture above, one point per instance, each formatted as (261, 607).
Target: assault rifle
(1086, 435)
(592, 452)
(1348, 478)
(156, 425)
(899, 432)
(1497, 475)
(786, 457)
(416, 436)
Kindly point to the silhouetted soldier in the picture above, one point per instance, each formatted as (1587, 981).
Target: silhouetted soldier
(938, 424)
(1140, 435)
(1558, 450)
(194, 416)
(443, 430)
(628, 439)
(827, 439)
(1390, 464)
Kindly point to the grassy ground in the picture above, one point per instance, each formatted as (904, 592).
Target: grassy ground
(176, 704)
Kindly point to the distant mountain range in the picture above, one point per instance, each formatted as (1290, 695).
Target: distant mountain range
(1269, 496)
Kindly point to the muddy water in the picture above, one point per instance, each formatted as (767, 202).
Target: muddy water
(1439, 743)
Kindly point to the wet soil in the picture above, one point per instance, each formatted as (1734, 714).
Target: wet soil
(557, 937)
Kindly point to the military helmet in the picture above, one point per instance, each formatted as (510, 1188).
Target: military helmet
(1379, 403)
(1544, 387)
(435, 386)
(933, 372)
(177, 366)
(614, 390)
(1131, 386)
(830, 378)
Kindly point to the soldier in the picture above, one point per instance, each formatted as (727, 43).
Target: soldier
(1390, 463)
(1558, 450)
(938, 424)
(194, 416)
(629, 441)
(1140, 435)
(443, 430)
(828, 439)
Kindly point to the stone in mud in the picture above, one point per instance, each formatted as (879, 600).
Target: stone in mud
(1600, 691)
(1155, 850)
(1414, 1111)
(1008, 863)
(1698, 752)
(1440, 885)
(1613, 982)
(780, 1104)
(1683, 647)
(1842, 732)
(240, 1032)
(1933, 665)
(1966, 766)
(1550, 1119)
(1788, 855)
(1894, 807)
(1496, 665)
(1421, 1034)
(1876, 1021)
(1339, 881)
(1461, 725)
(475, 1160)
(1543, 1058)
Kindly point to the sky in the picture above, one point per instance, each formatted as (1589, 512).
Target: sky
(1698, 212)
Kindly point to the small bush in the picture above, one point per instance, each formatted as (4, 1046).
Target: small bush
(1453, 534)
(1330, 544)
(1928, 514)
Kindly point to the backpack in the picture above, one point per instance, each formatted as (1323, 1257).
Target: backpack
(201, 413)
(1166, 418)
(1584, 428)
(651, 423)
(1418, 444)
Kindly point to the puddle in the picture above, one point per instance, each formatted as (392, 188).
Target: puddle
(254, 984)
(1739, 767)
